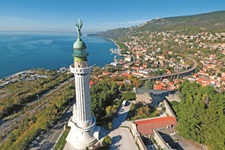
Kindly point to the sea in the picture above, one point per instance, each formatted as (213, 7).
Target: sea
(21, 51)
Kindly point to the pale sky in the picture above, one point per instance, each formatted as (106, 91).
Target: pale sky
(97, 15)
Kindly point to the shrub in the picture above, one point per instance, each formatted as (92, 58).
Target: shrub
(128, 96)
(107, 141)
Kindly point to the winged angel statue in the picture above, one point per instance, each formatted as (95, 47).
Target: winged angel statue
(79, 26)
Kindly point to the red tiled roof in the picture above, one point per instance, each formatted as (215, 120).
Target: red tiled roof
(91, 83)
(106, 73)
(168, 71)
(170, 83)
(159, 86)
(125, 74)
(120, 82)
(146, 126)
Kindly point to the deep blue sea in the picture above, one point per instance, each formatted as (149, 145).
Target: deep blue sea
(22, 51)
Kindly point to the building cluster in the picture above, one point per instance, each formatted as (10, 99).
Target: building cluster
(165, 40)
(156, 53)
(28, 75)
(165, 84)
(212, 71)
(24, 75)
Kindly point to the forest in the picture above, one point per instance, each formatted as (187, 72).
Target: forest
(201, 115)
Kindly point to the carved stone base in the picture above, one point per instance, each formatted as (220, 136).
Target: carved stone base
(80, 138)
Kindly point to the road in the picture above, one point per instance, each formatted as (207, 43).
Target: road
(8, 122)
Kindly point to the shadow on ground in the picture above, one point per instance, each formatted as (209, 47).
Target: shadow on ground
(171, 142)
(115, 141)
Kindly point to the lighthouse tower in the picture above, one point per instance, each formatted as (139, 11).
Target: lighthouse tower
(83, 131)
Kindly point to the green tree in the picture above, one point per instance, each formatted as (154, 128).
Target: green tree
(107, 141)
(148, 84)
(110, 111)
(128, 96)
(201, 114)
(219, 74)
(103, 94)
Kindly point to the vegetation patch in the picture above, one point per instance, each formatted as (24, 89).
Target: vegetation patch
(201, 115)
(104, 97)
(142, 111)
(105, 145)
(128, 96)
(40, 119)
(62, 141)
(23, 92)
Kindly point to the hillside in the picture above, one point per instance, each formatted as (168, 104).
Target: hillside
(212, 22)
(115, 33)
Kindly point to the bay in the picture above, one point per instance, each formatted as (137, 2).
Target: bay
(23, 51)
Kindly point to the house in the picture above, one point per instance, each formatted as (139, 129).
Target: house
(91, 83)
(137, 74)
(128, 58)
(145, 127)
(160, 86)
(203, 81)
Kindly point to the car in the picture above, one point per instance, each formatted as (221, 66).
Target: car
(38, 138)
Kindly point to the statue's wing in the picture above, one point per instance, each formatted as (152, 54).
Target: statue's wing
(80, 23)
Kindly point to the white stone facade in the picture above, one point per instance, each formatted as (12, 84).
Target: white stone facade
(84, 131)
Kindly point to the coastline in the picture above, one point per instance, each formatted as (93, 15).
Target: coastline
(114, 43)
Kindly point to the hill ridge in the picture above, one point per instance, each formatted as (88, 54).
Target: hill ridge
(210, 22)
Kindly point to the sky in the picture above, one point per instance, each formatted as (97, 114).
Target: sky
(97, 15)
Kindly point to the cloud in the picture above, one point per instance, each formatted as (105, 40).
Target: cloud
(108, 23)
(12, 23)
(13, 19)
(132, 22)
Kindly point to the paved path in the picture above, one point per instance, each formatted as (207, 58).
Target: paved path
(121, 137)
(122, 140)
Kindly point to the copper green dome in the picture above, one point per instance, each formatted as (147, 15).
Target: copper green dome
(79, 45)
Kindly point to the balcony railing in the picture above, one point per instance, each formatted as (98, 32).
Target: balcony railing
(85, 70)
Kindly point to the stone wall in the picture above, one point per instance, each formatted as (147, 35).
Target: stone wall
(169, 111)
(137, 137)
(160, 141)
(140, 143)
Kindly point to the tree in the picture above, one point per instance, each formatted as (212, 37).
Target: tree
(128, 96)
(107, 141)
(219, 74)
(148, 84)
(110, 111)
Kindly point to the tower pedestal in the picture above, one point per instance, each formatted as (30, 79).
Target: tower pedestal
(80, 138)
